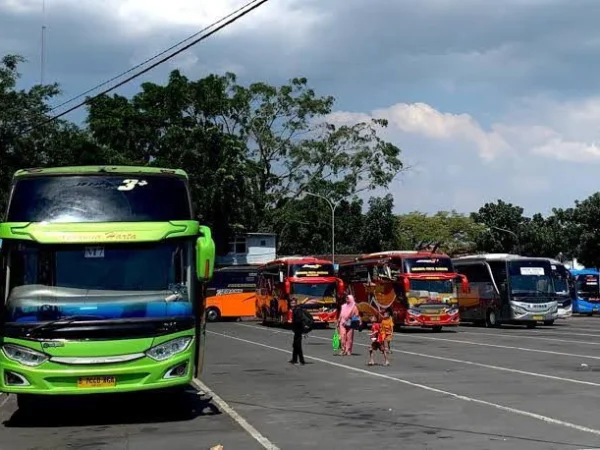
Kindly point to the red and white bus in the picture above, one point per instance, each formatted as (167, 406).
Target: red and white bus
(310, 280)
(419, 287)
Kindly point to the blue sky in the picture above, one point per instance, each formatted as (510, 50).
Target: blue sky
(487, 100)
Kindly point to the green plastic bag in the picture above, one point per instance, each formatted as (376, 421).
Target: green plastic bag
(336, 340)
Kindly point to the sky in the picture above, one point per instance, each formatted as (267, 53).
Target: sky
(487, 100)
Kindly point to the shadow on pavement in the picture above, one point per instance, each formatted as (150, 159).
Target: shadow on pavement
(134, 408)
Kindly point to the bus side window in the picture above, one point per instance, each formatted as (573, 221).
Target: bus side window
(475, 273)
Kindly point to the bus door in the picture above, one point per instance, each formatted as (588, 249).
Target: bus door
(482, 296)
(499, 272)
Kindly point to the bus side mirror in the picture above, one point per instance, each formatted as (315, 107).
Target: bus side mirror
(288, 287)
(464, 284)
(205, 254)
(406, 284)
(340, 288)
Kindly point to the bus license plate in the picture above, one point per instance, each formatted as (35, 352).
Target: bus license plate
(96, 382)
(538, 317)
(434, 319)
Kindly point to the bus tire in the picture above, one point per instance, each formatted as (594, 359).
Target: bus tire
(213, 314)
(491, 320)
(436, 328)
(548, 322)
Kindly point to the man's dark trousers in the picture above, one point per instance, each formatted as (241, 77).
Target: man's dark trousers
(297, 354)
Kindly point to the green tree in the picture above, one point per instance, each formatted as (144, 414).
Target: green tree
(293, 149)
(247, 149)
(456, 232)
(380, 231)
(586, 215)
(504, 225)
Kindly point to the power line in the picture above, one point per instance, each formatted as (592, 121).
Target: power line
(153, 57)
(147, 69)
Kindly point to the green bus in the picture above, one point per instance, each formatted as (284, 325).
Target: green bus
(103, 282)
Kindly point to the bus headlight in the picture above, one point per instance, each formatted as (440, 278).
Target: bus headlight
(518, 309)
(24, 355)
(452, 311)
(170, 348)
(414, 312)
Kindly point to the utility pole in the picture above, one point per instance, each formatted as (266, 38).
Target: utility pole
(333, 207)
(43, 46)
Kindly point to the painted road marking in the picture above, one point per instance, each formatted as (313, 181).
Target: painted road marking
(461, 361)
(522, 336)
(6, 399)
(235, 416)
(519, 412)
(507, 347)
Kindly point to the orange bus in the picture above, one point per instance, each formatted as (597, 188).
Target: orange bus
(419, 287)
(231, 293)
(312, 281)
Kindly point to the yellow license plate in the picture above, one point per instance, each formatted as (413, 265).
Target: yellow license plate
(434, 319)
(96, 382)
(538, 317)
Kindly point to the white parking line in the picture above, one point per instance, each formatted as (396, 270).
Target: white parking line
(235, 416)
(523, 336)
(520, 412)
(506, 347)
(460, 361)
(6, 399)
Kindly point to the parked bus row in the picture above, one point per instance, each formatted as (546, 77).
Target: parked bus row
(420, 288)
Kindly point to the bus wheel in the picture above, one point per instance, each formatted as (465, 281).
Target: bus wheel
(437, 329)
(548, 322)
(490, 319)
(212, 314)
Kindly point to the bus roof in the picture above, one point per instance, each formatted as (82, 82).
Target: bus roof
(89, 170)
(492, 257)
(298, 260)
(238, 268)
(395, 254)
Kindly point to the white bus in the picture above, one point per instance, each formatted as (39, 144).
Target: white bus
(506, 288)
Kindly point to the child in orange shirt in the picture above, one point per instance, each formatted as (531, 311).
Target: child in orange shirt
(387, 326)
(377, 342)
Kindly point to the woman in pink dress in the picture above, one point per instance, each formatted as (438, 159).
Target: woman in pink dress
(348, 311)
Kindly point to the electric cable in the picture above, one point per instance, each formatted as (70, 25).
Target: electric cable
(147, 69)
(143, 63)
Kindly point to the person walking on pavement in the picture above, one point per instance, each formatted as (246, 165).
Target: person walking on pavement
(298, 329)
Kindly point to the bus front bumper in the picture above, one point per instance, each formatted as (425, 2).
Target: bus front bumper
(423, 320)
(56, 379)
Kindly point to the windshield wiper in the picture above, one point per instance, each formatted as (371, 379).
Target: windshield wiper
(59, 323)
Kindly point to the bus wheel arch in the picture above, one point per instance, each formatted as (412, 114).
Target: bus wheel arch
(213, 314)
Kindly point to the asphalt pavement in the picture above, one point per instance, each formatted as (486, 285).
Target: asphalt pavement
(470, 388)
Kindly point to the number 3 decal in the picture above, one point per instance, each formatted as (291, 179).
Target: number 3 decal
(128, 185)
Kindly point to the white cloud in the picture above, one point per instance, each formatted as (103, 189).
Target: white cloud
(565, 131)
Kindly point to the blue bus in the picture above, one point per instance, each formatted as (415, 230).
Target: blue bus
(587, 292)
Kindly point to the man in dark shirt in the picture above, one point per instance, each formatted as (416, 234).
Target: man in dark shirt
(298, 329)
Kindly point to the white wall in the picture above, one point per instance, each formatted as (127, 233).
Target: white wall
(259, 250)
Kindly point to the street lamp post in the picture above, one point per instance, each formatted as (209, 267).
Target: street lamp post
(333, 207)
(509, 232)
